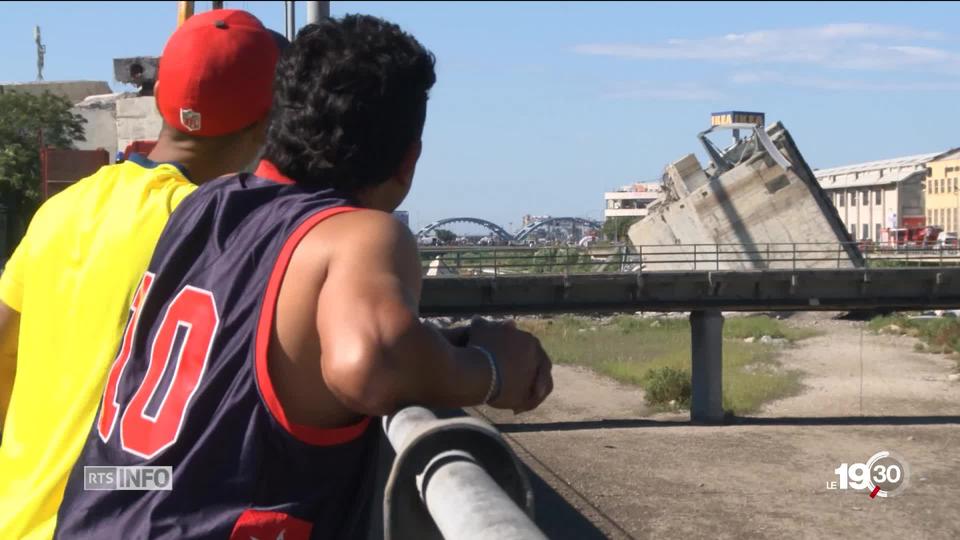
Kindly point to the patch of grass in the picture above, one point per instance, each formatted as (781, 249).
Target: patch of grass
(628, 348)
(877, 324)
(939, 334)
(759, 326)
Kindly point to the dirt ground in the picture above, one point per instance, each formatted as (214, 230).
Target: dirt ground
(605, 466)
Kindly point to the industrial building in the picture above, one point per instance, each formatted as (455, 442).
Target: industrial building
(630, 201)
(872, 196)
(942, 191)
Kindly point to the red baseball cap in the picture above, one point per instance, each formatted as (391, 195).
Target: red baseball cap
(216, 73)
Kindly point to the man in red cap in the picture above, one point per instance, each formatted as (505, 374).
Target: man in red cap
(279, 316)
(66, 292)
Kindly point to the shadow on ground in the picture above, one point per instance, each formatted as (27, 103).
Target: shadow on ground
(555, 516)
(734, 421)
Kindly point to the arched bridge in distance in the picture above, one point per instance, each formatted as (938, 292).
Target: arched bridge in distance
(501, 232)
(525, 231)
(489, 225)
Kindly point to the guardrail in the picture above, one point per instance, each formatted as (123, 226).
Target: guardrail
(496, 261)
(454, 479)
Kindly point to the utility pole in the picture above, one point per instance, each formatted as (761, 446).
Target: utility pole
(290, 18)
(316, 11)
(184, 11)
(41, 51)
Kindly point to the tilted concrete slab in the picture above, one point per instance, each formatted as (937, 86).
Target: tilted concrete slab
(756, 204)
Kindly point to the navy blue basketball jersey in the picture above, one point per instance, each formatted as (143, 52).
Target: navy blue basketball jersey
(190, 388)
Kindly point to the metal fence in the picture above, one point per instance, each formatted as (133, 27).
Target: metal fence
(497, 261)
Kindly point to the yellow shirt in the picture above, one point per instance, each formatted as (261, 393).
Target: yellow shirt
(72, 279)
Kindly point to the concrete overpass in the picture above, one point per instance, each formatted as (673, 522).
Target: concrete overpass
(704, 293)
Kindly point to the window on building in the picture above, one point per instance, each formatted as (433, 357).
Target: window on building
(853, 198)
(878, 197)
(864, 200)
(866, 232)
(877, 232)
(853, 231)
(955, 181)
(842, 198)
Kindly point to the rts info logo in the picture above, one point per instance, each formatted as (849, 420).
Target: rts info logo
(885, 474)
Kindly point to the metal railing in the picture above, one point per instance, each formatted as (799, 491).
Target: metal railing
(454, 479)
(498, 261)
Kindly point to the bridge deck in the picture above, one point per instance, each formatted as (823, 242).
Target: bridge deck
(781, 290)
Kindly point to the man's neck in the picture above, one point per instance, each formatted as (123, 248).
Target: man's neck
(199, 168)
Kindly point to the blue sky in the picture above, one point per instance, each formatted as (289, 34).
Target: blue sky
(540, 107)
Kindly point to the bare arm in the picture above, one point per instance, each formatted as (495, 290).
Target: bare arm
(377, 355)
(9, 335)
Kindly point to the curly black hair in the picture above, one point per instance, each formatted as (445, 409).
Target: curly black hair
(350, 97)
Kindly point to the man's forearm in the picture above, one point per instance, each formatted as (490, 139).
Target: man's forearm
(431, 371)
(410, 364)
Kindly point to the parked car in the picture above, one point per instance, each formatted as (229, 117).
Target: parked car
(948, 240)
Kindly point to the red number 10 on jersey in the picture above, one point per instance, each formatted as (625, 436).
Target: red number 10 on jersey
(178, 360)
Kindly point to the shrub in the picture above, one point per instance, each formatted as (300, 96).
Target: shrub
(666, 384)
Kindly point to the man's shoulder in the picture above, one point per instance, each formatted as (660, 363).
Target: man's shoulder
(361, 235)
(362, 226)
(123, 179)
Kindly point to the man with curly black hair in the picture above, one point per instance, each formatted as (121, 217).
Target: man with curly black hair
(280, 313)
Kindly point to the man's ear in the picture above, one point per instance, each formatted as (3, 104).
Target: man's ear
(156, 95)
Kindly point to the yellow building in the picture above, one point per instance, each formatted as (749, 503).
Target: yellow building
(942, 191)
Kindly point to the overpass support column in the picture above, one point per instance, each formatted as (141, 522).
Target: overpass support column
(706, 340)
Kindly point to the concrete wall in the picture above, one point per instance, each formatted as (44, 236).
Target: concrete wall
(137, 119)
(753, 207)
(100, 129)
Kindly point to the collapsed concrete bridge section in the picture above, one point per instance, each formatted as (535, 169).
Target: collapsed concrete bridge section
(759, 192)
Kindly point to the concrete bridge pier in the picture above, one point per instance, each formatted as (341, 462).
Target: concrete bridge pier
(706, 340)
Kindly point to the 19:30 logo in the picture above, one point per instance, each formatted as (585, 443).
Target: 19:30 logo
(883, 475)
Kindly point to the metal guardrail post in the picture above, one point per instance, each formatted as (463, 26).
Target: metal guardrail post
(694, 256)
(716, 248)
(454, 479)
(794, 255)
